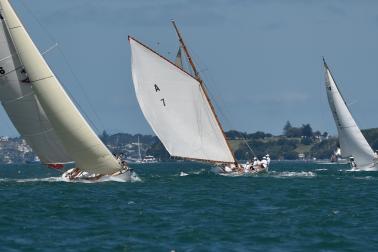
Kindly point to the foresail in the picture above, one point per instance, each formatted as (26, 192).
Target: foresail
(77, 137)
(22, 106)
(352, 142)
(176, 108)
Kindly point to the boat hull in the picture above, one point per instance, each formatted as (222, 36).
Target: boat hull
(122, 176)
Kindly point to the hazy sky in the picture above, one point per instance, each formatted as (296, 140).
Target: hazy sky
(261, 59)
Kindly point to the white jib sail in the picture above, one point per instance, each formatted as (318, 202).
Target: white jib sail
(352, 142)
(176, 108)
(78, 138)
(22, 106)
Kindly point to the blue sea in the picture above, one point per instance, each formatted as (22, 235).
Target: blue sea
(295, 207)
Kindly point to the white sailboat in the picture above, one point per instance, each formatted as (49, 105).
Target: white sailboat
(352, 143)
(178, 108)
(42, 111)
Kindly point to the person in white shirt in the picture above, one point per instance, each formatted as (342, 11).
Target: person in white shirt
(256, 163)
(352, 162)
(246, 167)
(264, 163)
(268, 159)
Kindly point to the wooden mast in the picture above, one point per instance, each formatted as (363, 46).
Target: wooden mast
(198, 77)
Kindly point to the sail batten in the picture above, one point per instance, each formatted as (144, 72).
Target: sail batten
(176, 107)
(352, 142)
(77, 137)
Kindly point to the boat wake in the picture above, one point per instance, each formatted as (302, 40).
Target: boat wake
(183, 174)
(28, 180)
(286, 174)
(133, 178)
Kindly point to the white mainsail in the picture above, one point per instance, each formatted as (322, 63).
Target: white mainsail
(22, 106)
(352, 142)
(176, 107)
(77, 137)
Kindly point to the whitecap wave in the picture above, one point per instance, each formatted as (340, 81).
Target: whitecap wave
(28, 180)
(183, 174)
(293, 174)
(132, 178)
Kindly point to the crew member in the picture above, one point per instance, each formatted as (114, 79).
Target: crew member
(264, 163)
(268, 159)
(352, 162)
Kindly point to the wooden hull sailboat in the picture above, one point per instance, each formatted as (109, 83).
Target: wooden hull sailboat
(178, 108)
(353, 144)
(39, 107)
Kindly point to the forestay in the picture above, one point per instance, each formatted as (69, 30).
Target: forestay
(174, 104)
(79, 140)
(22, 106)
(352, 142)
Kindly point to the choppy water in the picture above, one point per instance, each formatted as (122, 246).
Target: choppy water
(296, 207)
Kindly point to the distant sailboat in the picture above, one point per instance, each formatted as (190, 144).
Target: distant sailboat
(40, 108)
(352, 143)
(177, 106)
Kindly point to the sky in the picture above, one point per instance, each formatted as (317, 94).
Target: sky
(261, 59)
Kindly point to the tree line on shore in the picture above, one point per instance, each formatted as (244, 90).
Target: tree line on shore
(288, 146)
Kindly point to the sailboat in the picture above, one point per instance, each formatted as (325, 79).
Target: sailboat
(41, 110)
(178, 108)
(353, 144)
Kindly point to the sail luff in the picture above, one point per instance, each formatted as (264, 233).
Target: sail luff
(352, 142)
(78, 138)
(203, 87)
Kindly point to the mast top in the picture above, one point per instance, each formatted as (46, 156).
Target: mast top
(325, 63)
(196, 73)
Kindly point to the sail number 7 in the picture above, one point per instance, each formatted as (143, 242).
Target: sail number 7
(157, 89)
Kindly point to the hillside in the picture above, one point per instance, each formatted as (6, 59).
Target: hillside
(294, 141)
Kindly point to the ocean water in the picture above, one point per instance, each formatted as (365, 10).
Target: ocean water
(295, 207)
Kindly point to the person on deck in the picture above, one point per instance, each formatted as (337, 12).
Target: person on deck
(246, 167)
(74, 173)
(352, 162)
(268, 159)
(256, 163)
(264, 163)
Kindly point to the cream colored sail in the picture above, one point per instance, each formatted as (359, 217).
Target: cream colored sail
(174, 104)
(79, 140)
(22, 106)
(352, 142)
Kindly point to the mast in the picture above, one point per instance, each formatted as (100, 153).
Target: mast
(198, 77)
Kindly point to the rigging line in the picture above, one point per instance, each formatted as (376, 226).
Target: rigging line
(230, 123)
(16, 54)
(219, 109)
(51, 37)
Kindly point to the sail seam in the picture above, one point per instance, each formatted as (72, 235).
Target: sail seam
(346, 127)
(38, 133)
(11, 28)
(42, 79)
